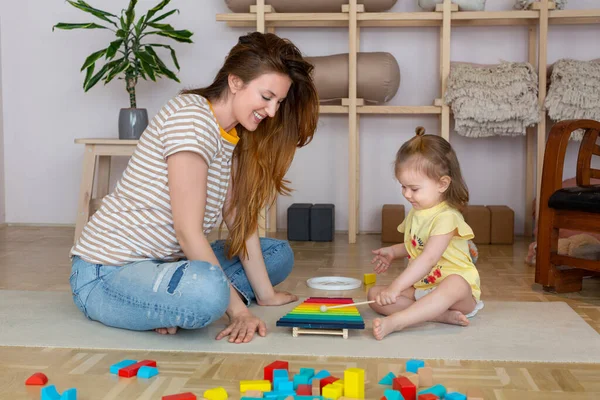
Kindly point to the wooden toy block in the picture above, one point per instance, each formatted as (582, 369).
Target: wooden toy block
(307, 371)
(147, 372)
(369, 279)
(262, 386)
(304, 390)
(438, 390)
(427, 396)
(37, 379)
(268, 371)
(316, 387)
(114, 369)
(50, 393)
(414, 365)
(474, 394)
(326, 381)
(455, 396)
(70, 394)
(405, 387)
(414, 378)
(284, 386)
(255, 394)
(217, 393)
(425, 375)
(392, 215)
(333, 391)
(391, 394)
(387, 380)
(132, 369)
(354, 385)
(180, 396)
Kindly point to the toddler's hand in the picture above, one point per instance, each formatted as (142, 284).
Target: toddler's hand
(387, 297)
(382, 260)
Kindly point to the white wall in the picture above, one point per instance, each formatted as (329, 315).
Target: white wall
(2, 191)
(45, 108)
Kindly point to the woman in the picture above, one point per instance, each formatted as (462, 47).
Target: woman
(143, 261)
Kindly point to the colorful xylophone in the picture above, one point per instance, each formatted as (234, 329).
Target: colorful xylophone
(309, 315)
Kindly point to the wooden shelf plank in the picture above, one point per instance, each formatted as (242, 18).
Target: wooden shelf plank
(433, 110)
(574, 17)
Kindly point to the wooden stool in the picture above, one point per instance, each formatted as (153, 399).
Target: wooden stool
(97, 154)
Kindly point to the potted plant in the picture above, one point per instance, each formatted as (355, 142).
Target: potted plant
(128, 57)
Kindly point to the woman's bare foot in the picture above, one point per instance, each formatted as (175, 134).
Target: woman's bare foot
(167, 331)
(453, 317)
(384, 326)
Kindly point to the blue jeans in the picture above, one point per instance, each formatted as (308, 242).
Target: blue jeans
(152, 294)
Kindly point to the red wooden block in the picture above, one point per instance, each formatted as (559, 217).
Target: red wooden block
(132, 369)
(428, 396)
(268, 372)
(37, 379)
(326, 381)
(304, 390)
(180, 396)
(383, 398)
(406, 387)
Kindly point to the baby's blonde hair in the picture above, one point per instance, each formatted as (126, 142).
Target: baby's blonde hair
(433, 155)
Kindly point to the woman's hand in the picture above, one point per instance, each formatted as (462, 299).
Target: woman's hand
(383, 259)
(277, 299)
(242, 328)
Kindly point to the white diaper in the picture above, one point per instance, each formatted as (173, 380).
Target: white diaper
(424, 292)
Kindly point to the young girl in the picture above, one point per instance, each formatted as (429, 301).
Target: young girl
(441, 282)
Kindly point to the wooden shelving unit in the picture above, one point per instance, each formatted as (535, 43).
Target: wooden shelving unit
(446, 16)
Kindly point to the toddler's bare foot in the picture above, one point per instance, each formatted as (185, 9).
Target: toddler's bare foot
(167, 331)
(384, 326)
(453, 317)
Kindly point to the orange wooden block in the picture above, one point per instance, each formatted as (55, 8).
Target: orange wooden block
(37, 379)
(425, 376)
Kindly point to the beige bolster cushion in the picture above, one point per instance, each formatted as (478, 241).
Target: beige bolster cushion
(309, 6)
(378, 77)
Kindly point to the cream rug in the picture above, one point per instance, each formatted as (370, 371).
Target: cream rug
(504, 331)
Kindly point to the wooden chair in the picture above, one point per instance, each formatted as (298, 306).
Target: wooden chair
(576, 208)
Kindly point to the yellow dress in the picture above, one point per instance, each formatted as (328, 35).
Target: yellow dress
(441, 219)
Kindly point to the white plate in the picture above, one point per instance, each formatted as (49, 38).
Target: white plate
(333, 283)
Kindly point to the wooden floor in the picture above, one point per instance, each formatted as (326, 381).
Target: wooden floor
(33, 258)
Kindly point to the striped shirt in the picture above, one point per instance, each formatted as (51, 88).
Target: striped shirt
(135, 221)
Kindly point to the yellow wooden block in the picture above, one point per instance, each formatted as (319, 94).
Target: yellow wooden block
(354, 383)
(333, 391)
(262, 385)
(369, 278)
(217, 393)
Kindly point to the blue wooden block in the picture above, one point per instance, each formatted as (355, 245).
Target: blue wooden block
(280, 373)
(147, 372)
(393, 395)
(114, 369)
(388, 379)
(285, 386)
(414, 365)
(70, 394)
(300, 379)
(438, 390)
(307, 371)
(50, 393)
(320, 375)
(455, 396)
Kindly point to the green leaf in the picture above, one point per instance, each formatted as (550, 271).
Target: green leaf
(180, 36)
(88, 25)
(123, 24)
(89, 74)
(122, 33)
(130, 13)
(173, 55)
(122, 65)
(165, 15)
(91, 82)
(139, 25)
(92, 58)
(145, 57)
(162, 27)
(161, 66)
(113, 48)
(148, 69)
(103, 15)
(156, 9)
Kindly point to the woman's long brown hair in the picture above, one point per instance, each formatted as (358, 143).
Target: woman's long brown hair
(262, 157)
